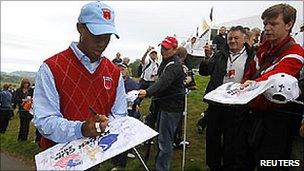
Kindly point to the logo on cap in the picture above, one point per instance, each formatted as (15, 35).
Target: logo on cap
(106, 13)
(169, 42)
(284, 89)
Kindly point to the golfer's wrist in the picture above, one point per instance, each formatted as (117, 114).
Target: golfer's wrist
(79, 130)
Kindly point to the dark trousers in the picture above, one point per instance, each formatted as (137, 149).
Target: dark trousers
(5, 116)
(25, 119)
(202, 122)
(167, 124)
(120, 160)
(243, 155)
(231, 125)
(271, 137)
(151, 118)
(178, 136)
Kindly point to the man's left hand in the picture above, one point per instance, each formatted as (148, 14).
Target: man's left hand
(247, 83)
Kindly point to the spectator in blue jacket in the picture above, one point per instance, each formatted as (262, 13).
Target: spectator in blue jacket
(5, 108)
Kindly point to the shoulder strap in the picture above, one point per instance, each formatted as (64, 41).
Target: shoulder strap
(150, 62)
(271, 59)
(143, 71)
(168, 64)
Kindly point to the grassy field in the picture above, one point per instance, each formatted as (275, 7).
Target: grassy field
(195, 154)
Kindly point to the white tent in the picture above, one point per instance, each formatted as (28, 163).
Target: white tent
(204, 35)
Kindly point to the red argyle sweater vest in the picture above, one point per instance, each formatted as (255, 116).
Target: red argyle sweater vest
(78, 88)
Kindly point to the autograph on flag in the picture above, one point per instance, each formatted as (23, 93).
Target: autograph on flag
(124, 134)
(230, 93)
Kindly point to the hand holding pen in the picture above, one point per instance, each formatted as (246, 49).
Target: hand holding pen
(95, 125)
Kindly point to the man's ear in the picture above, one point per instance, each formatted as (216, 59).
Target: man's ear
(289, 25)
(80, 28)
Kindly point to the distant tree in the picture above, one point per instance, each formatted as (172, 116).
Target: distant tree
(134, 65)
(13, 79)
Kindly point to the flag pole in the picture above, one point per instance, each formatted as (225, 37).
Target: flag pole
(211, 24)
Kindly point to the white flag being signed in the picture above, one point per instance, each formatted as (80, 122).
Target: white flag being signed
(230, 93)
(124, 133)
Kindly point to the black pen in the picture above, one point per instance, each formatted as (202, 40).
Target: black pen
(95, 113)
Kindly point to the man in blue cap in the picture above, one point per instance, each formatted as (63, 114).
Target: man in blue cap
(79, 78)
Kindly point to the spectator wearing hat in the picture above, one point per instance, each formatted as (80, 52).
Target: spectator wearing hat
(272, 126)
(149, 68)
(117, 58)
(126, 61)
(80, 77)
(169, 95)
(129, 83)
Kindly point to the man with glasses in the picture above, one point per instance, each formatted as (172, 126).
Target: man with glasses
(169, 96)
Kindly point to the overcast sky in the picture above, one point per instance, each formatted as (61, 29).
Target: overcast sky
(32, 31)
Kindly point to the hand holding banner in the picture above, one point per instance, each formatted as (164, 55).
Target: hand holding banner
(231, 93)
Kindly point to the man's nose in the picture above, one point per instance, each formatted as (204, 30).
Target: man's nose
(267, 27)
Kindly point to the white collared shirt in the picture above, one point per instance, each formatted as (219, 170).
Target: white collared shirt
(190, 48)
(237, 63)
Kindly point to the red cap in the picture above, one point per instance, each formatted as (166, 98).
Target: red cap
(169, 42)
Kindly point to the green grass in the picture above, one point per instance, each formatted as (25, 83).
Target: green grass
(195, 153)
(26, 150)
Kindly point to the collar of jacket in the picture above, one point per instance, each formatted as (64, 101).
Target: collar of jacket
(248, 49)
(172, 58)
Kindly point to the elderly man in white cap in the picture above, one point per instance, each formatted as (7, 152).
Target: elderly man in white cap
(77, 79)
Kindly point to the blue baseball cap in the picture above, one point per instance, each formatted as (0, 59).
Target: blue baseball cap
(99, 18)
